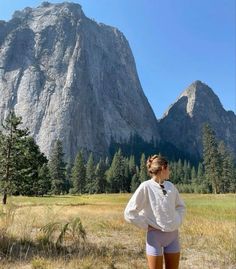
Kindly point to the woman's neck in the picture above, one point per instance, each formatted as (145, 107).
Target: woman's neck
(159, 179)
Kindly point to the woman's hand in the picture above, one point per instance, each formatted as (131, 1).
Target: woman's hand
(150, 228)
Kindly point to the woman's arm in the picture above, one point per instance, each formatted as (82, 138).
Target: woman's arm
(135, 205)
(180, 206)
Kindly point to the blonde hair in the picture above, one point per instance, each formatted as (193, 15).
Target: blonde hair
(155, 164)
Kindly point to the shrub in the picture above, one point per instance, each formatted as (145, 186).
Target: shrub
(62, 233)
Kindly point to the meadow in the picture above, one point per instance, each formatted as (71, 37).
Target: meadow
(45, 233)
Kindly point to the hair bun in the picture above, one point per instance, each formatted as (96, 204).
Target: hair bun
(154, 164)
(150, 159)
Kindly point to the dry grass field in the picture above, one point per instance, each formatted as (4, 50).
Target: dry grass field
(208, 235)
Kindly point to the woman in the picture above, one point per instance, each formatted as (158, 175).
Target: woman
(157, 207)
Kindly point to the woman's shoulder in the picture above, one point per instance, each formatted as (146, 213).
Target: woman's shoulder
(169, 184)
(146, 183)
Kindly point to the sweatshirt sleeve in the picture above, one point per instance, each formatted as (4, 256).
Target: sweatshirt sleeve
(132, 212)
(180, 206)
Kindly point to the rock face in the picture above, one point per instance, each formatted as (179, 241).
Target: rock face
(182, 123)
(71, 78)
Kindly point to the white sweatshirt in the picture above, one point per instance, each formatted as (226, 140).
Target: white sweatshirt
(149, 206)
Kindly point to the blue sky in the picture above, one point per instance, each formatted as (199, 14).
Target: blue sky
(174, 42)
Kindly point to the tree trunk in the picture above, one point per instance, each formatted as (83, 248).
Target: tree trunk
(4, 199)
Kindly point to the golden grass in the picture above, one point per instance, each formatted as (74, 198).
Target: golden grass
(208, 234)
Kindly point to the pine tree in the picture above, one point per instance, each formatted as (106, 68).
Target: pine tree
(127, 175)
(68, 182)
(211, 158)
(115, 175)
(189, 171)
(107, 162)
(228, 181)
(134, 183)
(44, 181)
(180, 172)
(100, 179)
(233, 182)
(10, 151)
(132, 167)
(173, 172)
(90, 175)
(79, 174)
(193, 174)
(201, 184)
(200, 173)
(28, 166)
(57, 168)
(143, 175)
(186, 173)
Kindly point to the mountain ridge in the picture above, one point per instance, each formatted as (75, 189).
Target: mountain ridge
(74, 79)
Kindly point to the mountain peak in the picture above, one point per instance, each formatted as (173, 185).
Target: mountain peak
(46, 4)
(49, 9)
(49, 15)
(199, 95)
(197, 86)
(198, 83)
(183, 122)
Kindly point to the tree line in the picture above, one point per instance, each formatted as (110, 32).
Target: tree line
(24, 170)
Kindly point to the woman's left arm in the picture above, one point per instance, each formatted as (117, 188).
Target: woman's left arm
(180, 206)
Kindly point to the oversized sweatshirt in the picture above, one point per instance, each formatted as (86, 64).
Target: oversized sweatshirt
(149, 206)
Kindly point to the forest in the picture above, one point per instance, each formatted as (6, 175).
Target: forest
(25, 170)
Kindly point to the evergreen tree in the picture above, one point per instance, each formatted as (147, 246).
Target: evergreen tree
(143, 175)
(137, 172)
(200, 173)
(132, 167)
(201, 185)
(107, 162)
(79, 174)
(228, 181)
(189, 171)
(29, 164)
(115, 175)
(211, 158)
(173, 172)
(57, 168)
(186, 173)
(127, 175)
(90, 175)
(68, 182)
(233, 182)
(193, 174)
(10, 152)
(44, 180)
(100, 179)
(134, 183)
(179, 172)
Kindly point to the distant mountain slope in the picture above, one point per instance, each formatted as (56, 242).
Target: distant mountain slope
(197, 105)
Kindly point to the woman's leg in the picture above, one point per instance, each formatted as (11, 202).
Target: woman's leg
(172, 260)
(172, 254)
(155, 262)
(154, 250)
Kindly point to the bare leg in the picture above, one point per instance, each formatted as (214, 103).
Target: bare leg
(172, 260)
(155, 262)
